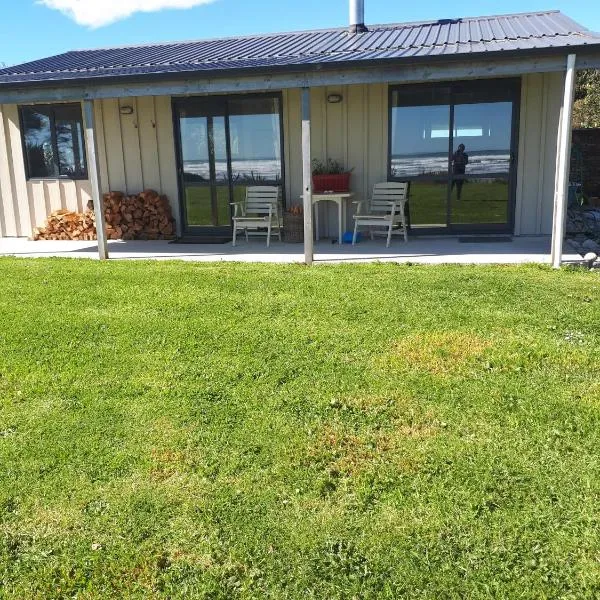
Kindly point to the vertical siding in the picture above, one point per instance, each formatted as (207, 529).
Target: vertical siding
(135, 152)
(9, 215)
(541, 98)
(353, 132)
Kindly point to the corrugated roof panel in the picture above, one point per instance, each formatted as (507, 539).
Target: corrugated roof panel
(385, 42)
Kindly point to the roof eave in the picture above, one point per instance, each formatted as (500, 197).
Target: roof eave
(330, 66)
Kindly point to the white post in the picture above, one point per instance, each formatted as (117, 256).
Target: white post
(563, 164)
(307, 178)
(94, 174)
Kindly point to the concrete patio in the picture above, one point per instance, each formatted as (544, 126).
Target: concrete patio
(430, 250)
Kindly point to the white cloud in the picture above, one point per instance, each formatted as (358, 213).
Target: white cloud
(97, 13)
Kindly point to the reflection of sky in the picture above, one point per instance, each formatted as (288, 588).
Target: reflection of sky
(251, 137)
(420, 130)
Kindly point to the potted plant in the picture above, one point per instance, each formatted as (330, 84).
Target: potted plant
(330, 176)
(293, 224)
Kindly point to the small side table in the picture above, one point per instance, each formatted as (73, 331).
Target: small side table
(340, 199)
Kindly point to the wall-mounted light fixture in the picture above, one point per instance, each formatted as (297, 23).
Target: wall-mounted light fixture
(334, 98)
(126, 109)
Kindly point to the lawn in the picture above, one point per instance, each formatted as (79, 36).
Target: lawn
(173, 430)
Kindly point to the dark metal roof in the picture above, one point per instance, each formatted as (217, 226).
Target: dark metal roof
(447, 37)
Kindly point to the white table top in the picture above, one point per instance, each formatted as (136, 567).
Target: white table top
(318, 196)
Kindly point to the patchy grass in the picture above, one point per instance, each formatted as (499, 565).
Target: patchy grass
(172, 430)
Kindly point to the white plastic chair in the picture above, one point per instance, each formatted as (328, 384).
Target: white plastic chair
(259, 211)
(385, 210)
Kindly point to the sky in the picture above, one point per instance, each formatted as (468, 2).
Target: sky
(31, 29)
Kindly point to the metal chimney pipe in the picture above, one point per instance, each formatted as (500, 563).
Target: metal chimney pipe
(357, 16)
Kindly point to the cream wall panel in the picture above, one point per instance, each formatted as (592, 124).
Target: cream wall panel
(69, 191)
(292, 136)
(131, 147)
(148, 143)
(353, 132)
(113, 142)
(102, 153)
(37, 195)
(554, 97)
(9, 216)
(14, 149)
(167, 162)
(53, 196)
(541, 97)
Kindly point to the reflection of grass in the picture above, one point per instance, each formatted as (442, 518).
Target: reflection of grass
(198, 205)
(199, 209)
(479, 203)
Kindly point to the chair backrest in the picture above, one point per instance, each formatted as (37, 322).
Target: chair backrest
(387, 194)
(261, 199)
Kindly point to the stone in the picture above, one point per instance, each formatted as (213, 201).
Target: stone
(591, 245)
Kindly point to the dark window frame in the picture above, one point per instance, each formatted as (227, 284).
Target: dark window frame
(51, 110)
(222, 102)
(486, 90)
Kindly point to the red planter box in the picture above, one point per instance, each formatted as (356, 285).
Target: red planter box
(331, 183)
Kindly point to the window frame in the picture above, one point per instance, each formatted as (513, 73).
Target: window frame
(51, 109)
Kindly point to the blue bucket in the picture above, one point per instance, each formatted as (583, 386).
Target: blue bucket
(347, 237)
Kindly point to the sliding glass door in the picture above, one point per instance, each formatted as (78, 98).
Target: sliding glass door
(224, 145)
(455, 144)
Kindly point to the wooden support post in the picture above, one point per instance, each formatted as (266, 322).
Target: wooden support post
(94, 175)
(307, 178)
(563, 164)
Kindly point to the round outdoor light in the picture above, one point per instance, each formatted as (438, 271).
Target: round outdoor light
(334, 98)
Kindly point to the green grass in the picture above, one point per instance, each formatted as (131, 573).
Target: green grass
(199, 209)
(481, 202)
(172, 430)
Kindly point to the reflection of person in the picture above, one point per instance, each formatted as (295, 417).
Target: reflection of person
(460, 160)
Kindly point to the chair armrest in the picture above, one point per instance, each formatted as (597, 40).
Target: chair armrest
(359, 204)
(235, 205)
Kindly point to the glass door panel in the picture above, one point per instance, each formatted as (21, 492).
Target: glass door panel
(455, 144)
(195, 168)
(255, 142)
(221, 215)
(481, 163)
(419, 152)
(225, 145)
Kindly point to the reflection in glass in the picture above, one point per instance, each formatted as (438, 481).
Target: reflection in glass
(485, 131)
(483, 200)
(427, 204)
(37, 125)
(194, 147)
(481, 162)
(225, 146)
(70, 141)
(255, 141)
(420, 141)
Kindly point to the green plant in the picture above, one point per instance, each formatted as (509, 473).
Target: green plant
(328, 166)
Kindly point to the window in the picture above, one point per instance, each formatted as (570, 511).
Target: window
(53, 141)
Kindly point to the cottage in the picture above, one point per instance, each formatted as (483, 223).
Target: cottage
(473, 112)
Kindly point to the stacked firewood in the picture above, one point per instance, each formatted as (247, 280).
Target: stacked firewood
(67, 225)
(145, 216)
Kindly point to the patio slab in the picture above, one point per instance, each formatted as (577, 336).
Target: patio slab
(438, 250)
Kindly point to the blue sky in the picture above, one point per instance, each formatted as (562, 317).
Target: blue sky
(31, 29)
